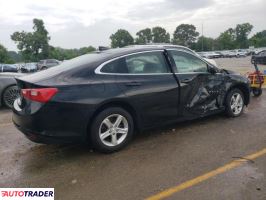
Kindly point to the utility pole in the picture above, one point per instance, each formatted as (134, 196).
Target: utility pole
(202, 36)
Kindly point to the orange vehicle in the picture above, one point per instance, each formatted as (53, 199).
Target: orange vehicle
(256, 80)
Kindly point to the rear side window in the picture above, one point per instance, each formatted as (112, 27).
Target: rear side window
(187, 63)
(142, 63)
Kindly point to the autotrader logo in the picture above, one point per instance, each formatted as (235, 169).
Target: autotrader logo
(26, 193)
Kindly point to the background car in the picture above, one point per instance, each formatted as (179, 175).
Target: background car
(28, 68)
(45, 64)
(259, 58)
(8, 89)
(8, 68)
(104, 97)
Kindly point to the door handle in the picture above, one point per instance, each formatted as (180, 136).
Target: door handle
(187, 80)
(133, 84)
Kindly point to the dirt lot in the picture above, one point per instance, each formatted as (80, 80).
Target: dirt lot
(242, 65)
(154, 162)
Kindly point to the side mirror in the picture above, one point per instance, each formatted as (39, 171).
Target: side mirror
(212, 70)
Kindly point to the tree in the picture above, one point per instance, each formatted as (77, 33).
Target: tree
(207, 42)
(159, 35)
(185, 34)
(259, 39)
(121, 38)
(226, 40)
(33, 45)
(66, 54)
(4, 57)
(242, 31)
(144, 36)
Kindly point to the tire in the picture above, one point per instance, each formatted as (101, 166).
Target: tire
(234, 108)
(44, 68)
(9, 96)
(105, 122)
(257, 92)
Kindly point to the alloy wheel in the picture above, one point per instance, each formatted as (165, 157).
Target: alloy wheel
(236, 103)
(113, 130)
(10, 96)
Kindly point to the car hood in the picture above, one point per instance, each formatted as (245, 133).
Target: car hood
(211, 61)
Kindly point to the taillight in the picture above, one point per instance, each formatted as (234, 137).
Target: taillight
(42, 95)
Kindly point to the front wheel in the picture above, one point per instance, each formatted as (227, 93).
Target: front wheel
(234, 103)
(111, 130)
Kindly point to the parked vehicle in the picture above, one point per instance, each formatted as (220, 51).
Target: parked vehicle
(28, 68)
(259, 58)
(8, 89)
(104, 97)
(8, 68)
(240, 53)
(45, 64)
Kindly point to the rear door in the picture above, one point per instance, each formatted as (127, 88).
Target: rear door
(149, 85)
(200, 91)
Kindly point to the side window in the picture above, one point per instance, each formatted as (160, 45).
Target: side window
(142, 63)
(185, 62)
(145, 63)
(116, 66)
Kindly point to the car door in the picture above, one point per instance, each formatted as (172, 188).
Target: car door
(201, 91)
(148, 84)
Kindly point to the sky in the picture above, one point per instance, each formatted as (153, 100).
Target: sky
(79, 23)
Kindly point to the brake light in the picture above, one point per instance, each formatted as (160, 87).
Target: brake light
(42, 95)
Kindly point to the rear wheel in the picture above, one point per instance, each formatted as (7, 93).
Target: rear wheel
(111, 130)
(9, 96)
(234, 103)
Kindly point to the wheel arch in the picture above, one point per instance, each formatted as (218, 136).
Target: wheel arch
(244, 89)
(117, 103)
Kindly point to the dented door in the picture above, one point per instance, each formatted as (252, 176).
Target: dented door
(201, 92)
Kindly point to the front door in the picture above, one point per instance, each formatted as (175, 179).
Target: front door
(201, 92)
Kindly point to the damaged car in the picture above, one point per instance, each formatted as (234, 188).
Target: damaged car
(105, 97)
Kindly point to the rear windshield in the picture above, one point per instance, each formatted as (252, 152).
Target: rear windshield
(85, 60)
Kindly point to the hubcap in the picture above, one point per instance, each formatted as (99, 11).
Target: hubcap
(113, 130)
(236, 103)
(10, 96)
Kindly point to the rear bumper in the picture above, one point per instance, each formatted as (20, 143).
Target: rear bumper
(52, 124)
(38, 138)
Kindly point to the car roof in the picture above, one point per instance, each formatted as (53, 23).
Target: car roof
(138, 48)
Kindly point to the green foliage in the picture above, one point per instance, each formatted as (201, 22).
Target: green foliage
(185, 34)
(4, 57)
(226, 40)
(66, 54)
(144, 36)
(34, 46)
(259, 39)
(159, 35)
(242, 31)
(205, 44)
(16, 57)
(121, 38)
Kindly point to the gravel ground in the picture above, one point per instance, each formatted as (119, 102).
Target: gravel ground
(241, 65)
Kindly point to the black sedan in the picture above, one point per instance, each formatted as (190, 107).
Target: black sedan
(104, 97)
(259, 58)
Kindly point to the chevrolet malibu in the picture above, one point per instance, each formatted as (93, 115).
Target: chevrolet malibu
(105, 97)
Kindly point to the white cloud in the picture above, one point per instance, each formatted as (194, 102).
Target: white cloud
(80, 22)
